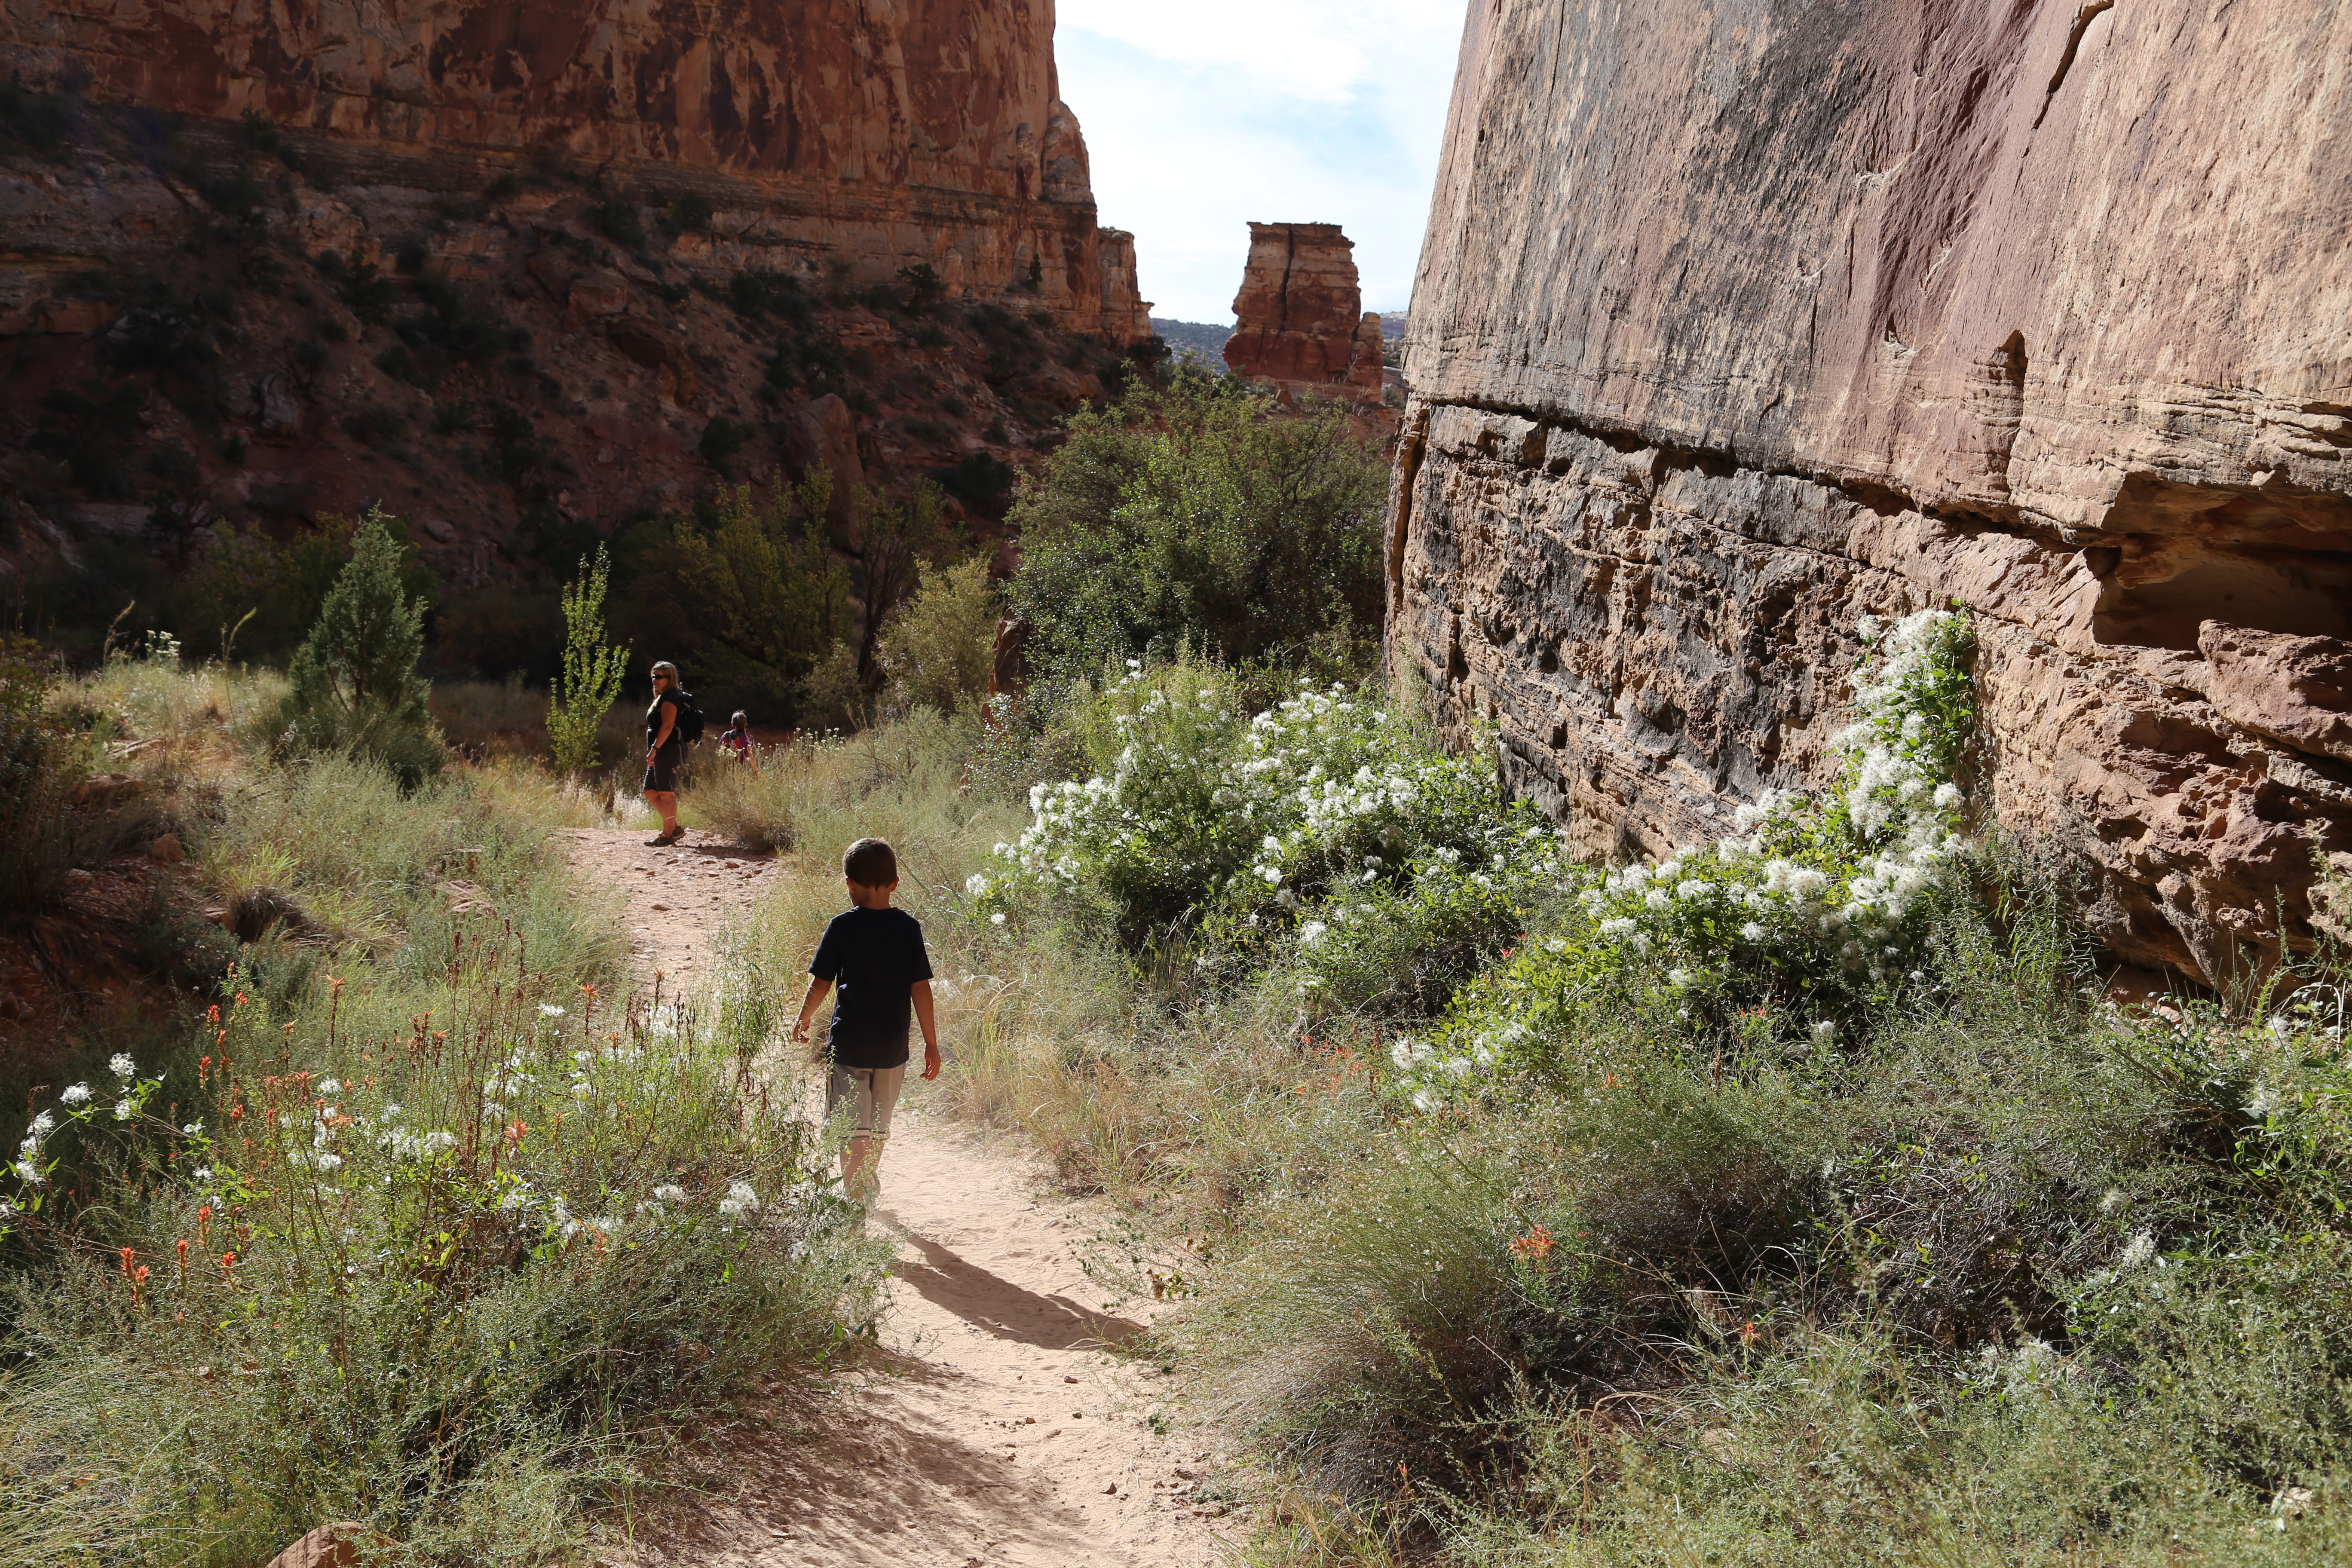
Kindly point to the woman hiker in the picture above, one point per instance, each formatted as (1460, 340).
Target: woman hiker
(663, 749)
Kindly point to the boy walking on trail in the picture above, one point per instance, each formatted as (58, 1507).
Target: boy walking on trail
(876, 955)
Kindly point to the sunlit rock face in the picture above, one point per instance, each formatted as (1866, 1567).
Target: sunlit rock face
(1300, 326)
(881, 135)
(1739, 319)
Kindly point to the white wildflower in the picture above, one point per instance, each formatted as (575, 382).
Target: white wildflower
(79, 1094)
(122, 1066)
(550, 1010)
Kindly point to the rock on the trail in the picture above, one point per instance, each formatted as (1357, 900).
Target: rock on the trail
(345, 1544)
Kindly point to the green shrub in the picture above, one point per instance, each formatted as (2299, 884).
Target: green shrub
(690, 214)
(920, 288)
(758, 293)
(1816, 916)
(1264, 835)
(940, 648)
(356, 689)
(723, 438)
(617, 219)
(360, 286)
(1192, 514)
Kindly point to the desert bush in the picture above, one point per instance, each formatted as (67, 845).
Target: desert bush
(1190, 514)
(1816, 915)
(354, 686)
(940, 648)
(438, 1229)
(1253, 836)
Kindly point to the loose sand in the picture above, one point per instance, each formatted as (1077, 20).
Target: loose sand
(993, 1425)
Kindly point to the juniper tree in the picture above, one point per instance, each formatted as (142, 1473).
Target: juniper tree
(355, 686)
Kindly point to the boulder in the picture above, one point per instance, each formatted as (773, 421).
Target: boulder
(108, 790)
(281, 412)
(347, 1545)
(823, 433)
(168, 849)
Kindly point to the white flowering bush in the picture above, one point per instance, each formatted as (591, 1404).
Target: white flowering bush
(1323, 829)
(1811, 914)
(530, 1226)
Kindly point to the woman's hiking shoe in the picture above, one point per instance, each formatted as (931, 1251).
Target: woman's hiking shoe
(664, 840)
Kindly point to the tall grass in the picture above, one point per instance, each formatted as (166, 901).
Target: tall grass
(429, 1220)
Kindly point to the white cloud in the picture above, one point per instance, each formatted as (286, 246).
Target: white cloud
(1204, 116)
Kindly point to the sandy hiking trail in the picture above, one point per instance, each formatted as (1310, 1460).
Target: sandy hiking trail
(994, 1426)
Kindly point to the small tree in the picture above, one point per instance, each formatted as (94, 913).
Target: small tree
(1197, 514)
(939, 650)
(355, 686)
(590, 681)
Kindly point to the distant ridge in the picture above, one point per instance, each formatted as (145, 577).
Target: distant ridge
(1201, 339)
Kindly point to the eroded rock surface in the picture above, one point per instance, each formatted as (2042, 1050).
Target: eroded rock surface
(877, 135)
(1300, 325)
(1732, 325)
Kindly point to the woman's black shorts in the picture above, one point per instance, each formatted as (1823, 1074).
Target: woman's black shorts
(661, 778)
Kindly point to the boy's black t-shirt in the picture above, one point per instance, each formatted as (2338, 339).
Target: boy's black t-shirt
(874, 956)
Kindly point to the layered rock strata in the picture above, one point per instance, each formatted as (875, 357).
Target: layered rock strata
(870, 136)
(1732, 326)
(1300, 325)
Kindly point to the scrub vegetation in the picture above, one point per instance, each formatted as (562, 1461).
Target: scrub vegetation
(1793, 1199)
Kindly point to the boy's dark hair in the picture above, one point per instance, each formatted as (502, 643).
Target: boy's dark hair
(870, 863)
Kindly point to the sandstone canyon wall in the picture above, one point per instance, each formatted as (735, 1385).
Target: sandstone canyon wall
(1737, 319)
(1299, 321)
(876, 134)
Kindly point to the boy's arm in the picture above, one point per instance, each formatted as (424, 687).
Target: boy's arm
(923, 1016)
(816, 994)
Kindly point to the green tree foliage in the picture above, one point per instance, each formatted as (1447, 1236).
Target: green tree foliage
(590, 681)
(900, 534)
(747, 597)
(355, 686)
(939, 650)
(1193, 513)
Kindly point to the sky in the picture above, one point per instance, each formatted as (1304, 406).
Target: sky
(1202, 115)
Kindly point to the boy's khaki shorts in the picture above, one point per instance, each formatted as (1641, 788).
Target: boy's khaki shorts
(875, 1091)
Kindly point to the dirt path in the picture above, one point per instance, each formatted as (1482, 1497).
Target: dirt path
(994, 1427)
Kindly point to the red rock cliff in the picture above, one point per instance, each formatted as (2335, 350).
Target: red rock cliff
(881, 135)
(1750, 324)
(1300, 324)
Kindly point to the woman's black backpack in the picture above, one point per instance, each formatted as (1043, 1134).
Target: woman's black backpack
(687, 730)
